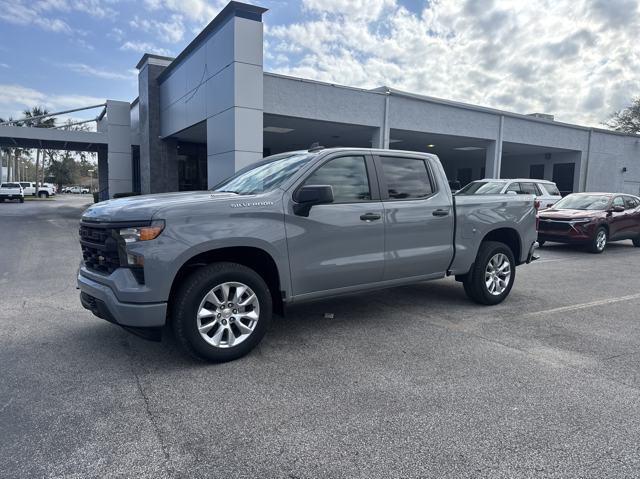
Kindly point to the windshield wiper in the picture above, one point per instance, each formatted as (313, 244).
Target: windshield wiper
(227, 191)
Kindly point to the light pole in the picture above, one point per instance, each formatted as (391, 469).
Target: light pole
(91, 172)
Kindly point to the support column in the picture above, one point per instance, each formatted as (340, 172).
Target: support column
(493, 158)
(118, 124)
(235, 94)
(103, 175)
(158, 158)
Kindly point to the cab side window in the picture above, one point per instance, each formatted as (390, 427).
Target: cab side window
(407, 178)
(515, 187)
(347, 176)
(530, 189)
(631, 203)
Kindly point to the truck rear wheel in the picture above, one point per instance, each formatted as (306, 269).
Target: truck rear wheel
(221, 312)
(43, 194)
(494, 271)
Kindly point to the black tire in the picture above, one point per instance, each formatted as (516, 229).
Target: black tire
(475, 285)
(541, 243)
(21, 200)
(186, 302)
(594, 245)
(43, 194)
(636, 242)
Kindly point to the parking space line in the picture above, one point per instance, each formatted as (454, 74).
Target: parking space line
(591, 304)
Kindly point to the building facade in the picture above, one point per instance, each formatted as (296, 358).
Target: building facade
(213, 109)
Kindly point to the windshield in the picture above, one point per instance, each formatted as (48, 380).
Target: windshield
(482, 188)
(264, 176)
(582, 202)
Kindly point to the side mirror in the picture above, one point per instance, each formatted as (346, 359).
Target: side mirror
(310, 195)
(511, 192)
(617, 209)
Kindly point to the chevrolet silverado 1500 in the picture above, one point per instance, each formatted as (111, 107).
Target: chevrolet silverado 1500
(296, 226)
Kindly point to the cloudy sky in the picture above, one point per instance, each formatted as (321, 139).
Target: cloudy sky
(577, 59)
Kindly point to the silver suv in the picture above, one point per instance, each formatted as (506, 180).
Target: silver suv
(546, 192)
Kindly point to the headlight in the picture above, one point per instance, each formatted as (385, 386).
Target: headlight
(142, 233)
(581, 220)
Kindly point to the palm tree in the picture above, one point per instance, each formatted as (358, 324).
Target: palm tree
(39, 123)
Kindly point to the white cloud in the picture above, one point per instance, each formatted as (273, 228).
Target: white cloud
(16, 98)
(98, 72)
(43, 13)
(144, 47)
(576, 59)
(25, 14)
(200, 11)
(170, 31)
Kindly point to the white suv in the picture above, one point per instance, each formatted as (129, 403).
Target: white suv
(545, 191)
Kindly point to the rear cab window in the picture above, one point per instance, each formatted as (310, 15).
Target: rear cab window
(406, 178)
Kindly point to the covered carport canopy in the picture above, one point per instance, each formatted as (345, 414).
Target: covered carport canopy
(112, 142)
(52, 138)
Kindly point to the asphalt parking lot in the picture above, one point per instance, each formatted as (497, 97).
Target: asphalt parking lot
(410, 382)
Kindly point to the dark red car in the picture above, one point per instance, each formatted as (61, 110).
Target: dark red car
(592, 219)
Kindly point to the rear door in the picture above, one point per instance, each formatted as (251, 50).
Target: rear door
(617, 220)
(632, 205)
(339, 245)
(418, 217)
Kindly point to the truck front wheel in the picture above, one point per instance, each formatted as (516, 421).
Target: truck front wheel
(221, 312)
(494, 271)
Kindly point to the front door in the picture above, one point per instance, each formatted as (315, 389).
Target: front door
(339, 245)
(418, 218)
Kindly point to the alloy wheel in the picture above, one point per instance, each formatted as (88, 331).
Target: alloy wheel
(601, 240)
(497, 274)
(228, 314)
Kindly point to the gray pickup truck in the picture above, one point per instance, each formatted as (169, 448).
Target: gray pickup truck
(294, 227)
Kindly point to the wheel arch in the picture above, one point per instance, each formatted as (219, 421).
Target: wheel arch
(509, 237)
(252, 257)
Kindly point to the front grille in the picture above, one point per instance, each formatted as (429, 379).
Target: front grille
(99, 248)
(546, 225)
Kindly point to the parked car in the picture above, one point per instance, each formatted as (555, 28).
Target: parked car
(591, 219)
(28, 188)
(11, 191)
(46, 190)
(294, 227)
(546, 192)
(77, 190)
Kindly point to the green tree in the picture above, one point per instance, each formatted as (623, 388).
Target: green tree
(64, 169)
(627, 119)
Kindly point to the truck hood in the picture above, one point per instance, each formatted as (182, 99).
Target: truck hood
(143, 208)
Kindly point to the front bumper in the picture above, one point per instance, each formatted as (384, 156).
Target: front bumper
(102, 301)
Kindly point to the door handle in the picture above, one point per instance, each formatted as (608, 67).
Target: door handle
(440, 212)
(370, 217)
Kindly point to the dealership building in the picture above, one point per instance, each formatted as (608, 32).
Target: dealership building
(213, 109)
